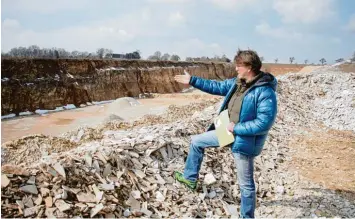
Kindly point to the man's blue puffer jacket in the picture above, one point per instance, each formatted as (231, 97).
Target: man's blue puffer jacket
(257, 114)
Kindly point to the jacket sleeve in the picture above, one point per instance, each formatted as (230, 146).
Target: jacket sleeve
(265, 116)
(212, 86)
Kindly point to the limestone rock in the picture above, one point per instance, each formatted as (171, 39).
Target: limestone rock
(29, 189)
(4, 181)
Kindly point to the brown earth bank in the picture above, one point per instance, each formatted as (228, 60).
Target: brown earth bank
(31, 84)
(280, 69)
(347, 67)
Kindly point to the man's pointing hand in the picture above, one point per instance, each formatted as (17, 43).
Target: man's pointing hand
(184, 79)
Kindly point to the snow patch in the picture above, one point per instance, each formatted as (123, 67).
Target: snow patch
(102, 102)
(27, 113)
(40, 112)
(69, 106)
(12, 115)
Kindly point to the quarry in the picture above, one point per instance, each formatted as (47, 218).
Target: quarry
(90, 138)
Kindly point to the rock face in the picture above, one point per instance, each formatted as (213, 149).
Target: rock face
(30, 84)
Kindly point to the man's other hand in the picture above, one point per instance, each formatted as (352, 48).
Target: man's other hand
(184, 79)
(230, 127)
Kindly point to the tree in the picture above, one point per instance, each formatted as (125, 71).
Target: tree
(261, 58)
(352, 58)
(34, 51)
(174, 58)
(56, 54)
(137, 54)
(225, 58)
(165, 57)
(189, 59)
(155, 56)
(306, 61)
(83, 55)
(339, 60)
(292, 59)
(152, 57)
(104, 53)
(276, 60)
(75, 53)
(215, 58)
(100, 53)
(322, 61)
(108, 54)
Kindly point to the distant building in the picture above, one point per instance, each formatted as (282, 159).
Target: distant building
(118, 56)
(131, 55)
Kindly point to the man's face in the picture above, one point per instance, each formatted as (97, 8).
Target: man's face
(242, 70)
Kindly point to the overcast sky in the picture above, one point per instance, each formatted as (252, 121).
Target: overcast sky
(305, 29)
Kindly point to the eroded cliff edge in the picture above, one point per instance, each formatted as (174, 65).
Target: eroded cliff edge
(31, 84)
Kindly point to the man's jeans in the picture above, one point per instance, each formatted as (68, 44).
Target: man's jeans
(245, 169)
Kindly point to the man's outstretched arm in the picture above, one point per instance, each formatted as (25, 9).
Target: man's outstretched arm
(209, 86)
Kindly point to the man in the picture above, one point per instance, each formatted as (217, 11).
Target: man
(252, 106)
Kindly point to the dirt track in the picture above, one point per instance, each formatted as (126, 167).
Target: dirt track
(60, 122)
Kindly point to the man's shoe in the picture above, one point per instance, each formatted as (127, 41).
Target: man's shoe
(180, 177)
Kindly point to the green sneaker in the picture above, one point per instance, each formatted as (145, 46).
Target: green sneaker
(180, 177)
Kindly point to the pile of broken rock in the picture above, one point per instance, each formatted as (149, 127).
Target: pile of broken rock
(127, 172)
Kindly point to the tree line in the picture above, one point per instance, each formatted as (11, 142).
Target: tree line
(322, 61)
(35, 51)
(158, 56)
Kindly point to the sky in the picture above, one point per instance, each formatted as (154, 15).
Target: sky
(304, 29)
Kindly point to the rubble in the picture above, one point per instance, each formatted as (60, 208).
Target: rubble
(29, 189)
(125, 170)
(209, 179)
(48, 201)
(59, 168)
(4, 181)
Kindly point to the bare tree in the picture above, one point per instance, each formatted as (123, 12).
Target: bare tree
(352, 58)
(56, 54)
(100, 53)
(261, 58)
(165, 57)
(75, 53)
(158, 55)
(292, 59)
(276, 60)
(339, 60)
(34, 51)
(306, 61)
(174, 58)
(155, 56)
(323, 61)
(224, 58)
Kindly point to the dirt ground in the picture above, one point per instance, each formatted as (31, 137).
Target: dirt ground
(280, 69)
(326, 157)
(57, 123)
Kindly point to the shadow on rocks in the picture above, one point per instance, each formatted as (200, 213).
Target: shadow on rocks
(315, 202)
